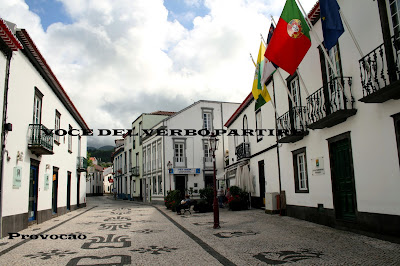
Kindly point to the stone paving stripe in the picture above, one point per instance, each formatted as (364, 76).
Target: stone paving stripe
(45, 231)
(223, 260)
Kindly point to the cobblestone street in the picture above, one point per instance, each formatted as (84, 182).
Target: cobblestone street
(124, 233)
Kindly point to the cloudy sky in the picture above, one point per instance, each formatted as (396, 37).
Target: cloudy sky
(117, 59)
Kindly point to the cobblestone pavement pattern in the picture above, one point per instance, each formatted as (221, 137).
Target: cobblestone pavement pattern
(128, 233)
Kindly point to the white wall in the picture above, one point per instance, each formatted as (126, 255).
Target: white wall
(23, 80)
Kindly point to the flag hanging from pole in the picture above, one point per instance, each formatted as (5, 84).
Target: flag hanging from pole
(291, 39)
(332, 26)
(269, 67)
(259, 90)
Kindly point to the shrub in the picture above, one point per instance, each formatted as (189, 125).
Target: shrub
(239, 199)
(172, 199)
(202, 206)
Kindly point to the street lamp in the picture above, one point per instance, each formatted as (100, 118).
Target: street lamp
(213, 145)
(169, 165)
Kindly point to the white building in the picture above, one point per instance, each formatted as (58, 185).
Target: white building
(134, 150)
(108, 183)
(342, 169)
(42, 176)
(94, 181)
(185, 146)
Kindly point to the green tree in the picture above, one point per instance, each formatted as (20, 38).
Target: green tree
(89, 162)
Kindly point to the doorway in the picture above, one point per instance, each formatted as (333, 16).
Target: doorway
(78, 189)
(180, 184)
(261, 180)
(33, 192)
(342, 174)
(68, 190)
(54, 190)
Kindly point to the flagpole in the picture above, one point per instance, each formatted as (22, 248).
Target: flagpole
(253, 60)
(297, 70)
(351, 33)
(320, 43)
(272, 102)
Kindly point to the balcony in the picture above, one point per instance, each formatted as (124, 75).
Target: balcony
(380, 74)
(293, 124)
(39, 142)
(179, 161)
(208, 162)
(135, 171)
(243, 150)
(331, 105)
(81, 164)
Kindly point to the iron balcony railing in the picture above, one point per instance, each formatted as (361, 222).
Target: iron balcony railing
(376, 73)
(243, 150)
(329, 99)
(81, 163)
(293, 121)
(38, 137)
(180, 161)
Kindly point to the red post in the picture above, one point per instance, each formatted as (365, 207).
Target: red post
(216, 206)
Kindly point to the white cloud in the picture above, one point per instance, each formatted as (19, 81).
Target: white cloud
(114, 51)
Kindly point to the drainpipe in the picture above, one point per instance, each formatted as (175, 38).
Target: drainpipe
(277, 152)
(3, 135)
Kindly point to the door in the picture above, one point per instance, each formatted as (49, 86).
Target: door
(343, 186)
(78, 181)
(54, 191)
(33, 190)
(180, 184)
(261, 180)
(68, 190)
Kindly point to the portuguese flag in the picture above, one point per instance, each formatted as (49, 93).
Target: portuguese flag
(291, 39)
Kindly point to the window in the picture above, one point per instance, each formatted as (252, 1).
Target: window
(125, 160)
(207, 121)
(57, 127)
(69, 140)
(160, 184)
(300, 171)
(245, 127)
(148, 157)
(258, 124)
(37, 107)
(334, 55)
(140, 133)
(134, 186)
(394, 6)
(207, 152)
(179, 153)
(294, 86)
(130, 160)
(153, 156)
(144, 160)
(134, 133)
(154, 185)
(159, 154)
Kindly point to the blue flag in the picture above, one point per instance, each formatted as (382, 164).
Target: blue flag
(332, 27)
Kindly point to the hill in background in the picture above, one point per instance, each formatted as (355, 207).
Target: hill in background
(103, 154)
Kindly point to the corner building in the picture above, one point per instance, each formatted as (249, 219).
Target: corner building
(43, 176)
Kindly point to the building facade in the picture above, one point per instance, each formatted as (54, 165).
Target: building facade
(42, 174)
(338, 164)
(178, 156)
(94, 181)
